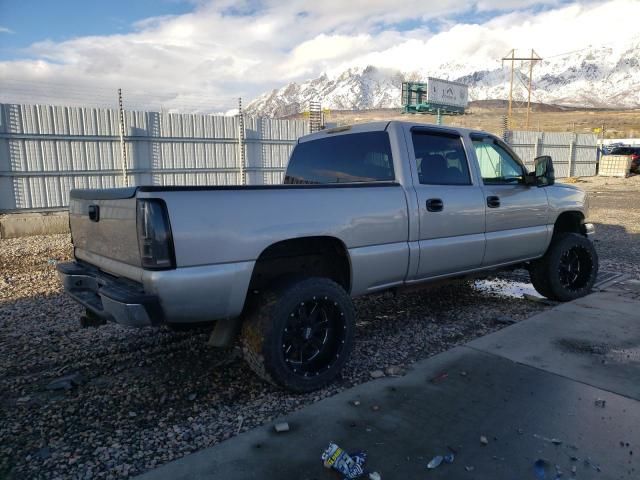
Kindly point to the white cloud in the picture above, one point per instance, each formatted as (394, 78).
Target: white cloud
(205, 59)
(5, 30)
(491, 5)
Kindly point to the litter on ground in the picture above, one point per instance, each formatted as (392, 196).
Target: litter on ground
(349, 465)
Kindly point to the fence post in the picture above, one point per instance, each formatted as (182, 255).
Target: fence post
(538, 151)
(241, 136)
(572, 152)
(123, 147)
(315, 116)
(263, 151)
(505, 128)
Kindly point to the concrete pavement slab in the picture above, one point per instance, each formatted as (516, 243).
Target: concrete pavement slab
(518, 408)
(562, 386)
(595, 340)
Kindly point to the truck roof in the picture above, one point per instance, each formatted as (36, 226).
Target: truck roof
(380, 126)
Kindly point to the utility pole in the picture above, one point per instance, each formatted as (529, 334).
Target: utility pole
(529, 97)
(123, 147)
(511, 56)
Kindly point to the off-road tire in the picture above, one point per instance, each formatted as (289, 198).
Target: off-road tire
(263, 332)
(545, 273)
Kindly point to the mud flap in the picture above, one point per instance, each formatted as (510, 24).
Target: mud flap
(225, 332)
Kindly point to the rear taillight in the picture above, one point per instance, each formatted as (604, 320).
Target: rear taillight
(154, 235)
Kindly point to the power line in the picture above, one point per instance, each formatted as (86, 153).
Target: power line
(105, 91)
(567, 53)
(98, 94)
(56, 93)
(104, 102)
(195, 102)
(580, 50)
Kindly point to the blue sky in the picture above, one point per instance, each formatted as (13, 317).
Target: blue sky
(32, 20)
(184, 53)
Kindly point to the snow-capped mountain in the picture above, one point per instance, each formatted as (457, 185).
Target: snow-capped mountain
(602, 76)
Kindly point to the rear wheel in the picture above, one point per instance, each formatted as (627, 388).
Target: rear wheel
(300, 336)
(568, 270)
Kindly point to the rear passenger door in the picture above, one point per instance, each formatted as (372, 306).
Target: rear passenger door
(451, 206)
(517, 213)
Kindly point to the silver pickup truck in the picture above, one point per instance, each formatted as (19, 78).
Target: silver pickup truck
(362, 209)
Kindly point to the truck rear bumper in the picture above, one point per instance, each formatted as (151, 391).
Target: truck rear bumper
(108, 297)
(183, 295)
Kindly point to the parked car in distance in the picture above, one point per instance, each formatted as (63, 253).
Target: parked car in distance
(632, 151)
(363, 209)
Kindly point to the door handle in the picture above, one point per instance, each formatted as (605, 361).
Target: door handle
(493, 201)
(435, 205)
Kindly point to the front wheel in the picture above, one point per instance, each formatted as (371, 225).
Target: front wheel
(568, 270)
(300, 336)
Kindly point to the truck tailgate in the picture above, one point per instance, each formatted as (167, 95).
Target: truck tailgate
(103, 225)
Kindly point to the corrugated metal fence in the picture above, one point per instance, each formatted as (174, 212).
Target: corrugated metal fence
(574, 154)
(45, 151)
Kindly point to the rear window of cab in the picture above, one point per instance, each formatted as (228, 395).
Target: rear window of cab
(350, 158)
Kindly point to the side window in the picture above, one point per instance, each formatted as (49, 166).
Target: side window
(349, 158)
(440, 159)
(497, 166)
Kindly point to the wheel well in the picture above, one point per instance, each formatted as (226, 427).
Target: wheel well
(302, 258)
(569, 222)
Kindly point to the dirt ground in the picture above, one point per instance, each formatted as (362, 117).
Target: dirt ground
(488, 117)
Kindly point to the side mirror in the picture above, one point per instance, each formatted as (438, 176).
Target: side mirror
(545, 174)
(530, 179)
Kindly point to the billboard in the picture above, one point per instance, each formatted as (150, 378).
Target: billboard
(434, 95)
(444, 92)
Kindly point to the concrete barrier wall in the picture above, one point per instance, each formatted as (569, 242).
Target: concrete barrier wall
(17, 225)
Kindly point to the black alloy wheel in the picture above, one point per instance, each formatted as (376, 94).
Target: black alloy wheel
(575, 268)
(300, 335)
(314, 336)
(568, 270)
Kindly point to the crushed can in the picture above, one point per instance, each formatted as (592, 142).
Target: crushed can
(350, 466)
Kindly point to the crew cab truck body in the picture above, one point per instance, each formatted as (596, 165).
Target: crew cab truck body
(362, 209)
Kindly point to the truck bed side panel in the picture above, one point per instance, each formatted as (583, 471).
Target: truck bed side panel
(227, 226)
(378, 267)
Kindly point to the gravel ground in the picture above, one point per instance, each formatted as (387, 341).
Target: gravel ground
(615, 210)
(144, 397)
